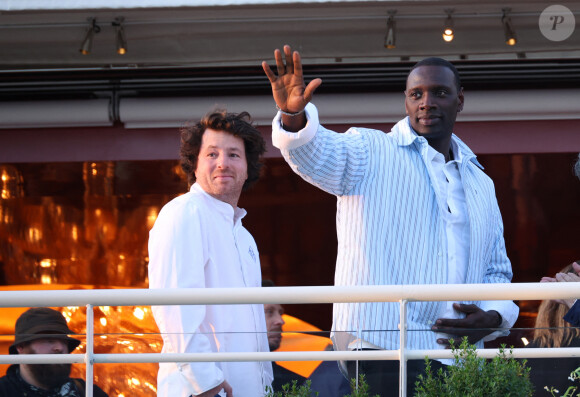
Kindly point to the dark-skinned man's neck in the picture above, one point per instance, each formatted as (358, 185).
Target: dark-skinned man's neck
(443, 146)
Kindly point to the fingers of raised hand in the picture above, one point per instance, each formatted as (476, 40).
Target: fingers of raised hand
(289, 60)
(271, 76)
(310, 88)
(279, 62)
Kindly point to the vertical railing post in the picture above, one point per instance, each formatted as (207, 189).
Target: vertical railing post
(359, 338)
(89, 355)
(403, 349)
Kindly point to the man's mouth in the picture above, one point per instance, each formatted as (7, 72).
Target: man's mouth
(223, 176)
(428, 120)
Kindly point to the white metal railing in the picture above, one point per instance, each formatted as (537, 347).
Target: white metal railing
(283, 295)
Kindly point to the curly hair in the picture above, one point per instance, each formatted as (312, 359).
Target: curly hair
(239, 125)
(550, 329)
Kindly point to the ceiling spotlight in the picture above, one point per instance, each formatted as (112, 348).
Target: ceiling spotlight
(87, 43)
(391, 24)
(448, 33)
(120, 39)
(508, 29)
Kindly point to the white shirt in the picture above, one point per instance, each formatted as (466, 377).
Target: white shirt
(449, 190)
(199, 242)
(391, 225)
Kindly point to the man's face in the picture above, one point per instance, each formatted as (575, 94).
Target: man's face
(222, 168)
(432, 101)
(274, 323)
(48, 375)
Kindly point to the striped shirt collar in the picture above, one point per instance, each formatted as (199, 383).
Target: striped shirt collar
(405, 136)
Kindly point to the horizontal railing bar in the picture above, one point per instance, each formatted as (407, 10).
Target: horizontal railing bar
(280, 356)
(42, 358)
(291, 295)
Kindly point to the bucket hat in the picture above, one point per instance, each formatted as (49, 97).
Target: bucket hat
(39, 323)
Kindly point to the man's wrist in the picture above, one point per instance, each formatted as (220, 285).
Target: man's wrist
(499, 318)
(290, 113)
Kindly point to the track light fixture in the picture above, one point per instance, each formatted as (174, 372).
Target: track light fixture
(120, 39)
(448, 32)
(391, 25)
(508, 29)
(87, 43)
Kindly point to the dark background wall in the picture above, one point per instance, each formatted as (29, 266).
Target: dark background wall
(91, 222)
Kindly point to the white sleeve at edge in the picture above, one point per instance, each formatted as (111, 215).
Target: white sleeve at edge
(285, 140)
(509, 313)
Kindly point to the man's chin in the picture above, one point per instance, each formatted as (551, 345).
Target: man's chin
(50, 375)
(274, 344)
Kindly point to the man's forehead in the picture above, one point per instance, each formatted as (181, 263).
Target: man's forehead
(431, 75)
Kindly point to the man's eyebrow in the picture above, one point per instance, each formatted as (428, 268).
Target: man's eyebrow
(227, 148)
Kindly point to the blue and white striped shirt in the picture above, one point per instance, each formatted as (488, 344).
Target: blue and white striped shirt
(390, 224)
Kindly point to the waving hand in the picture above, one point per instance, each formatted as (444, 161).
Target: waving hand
(288, 88)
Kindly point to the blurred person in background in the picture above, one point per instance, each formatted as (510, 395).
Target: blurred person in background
(274, 323)
(41, 330)
(552, 329)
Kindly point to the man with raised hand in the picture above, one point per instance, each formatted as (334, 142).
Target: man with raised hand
(413, 207)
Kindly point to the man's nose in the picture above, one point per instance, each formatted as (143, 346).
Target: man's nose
(58, 346)
(427, 101)
(280, 320)
(223, 161)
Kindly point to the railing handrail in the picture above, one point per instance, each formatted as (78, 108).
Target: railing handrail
(291, 295)
(116, 358)
(284, 295)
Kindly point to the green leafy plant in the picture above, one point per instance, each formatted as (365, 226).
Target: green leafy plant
(362, 390)
(574, 375)
(304, 391)
(472, 376)
(292, 390)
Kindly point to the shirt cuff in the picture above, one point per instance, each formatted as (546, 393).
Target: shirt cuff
(508, 311)
(285, 140)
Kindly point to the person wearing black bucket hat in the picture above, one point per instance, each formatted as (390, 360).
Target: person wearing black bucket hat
(41, 330)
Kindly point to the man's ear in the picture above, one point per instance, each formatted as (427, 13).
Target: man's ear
(461, 100)
(20, 348)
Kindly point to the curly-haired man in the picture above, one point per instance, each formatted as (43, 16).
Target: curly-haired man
(198, 241)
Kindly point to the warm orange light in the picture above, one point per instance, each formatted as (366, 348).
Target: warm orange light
(448, 33)
(294, 340)
(152, 213)
(34, 234)
(139, 313)
(47, 263)
(45, 279)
